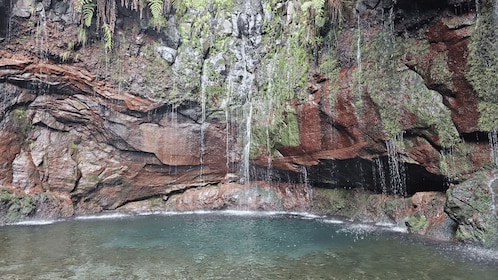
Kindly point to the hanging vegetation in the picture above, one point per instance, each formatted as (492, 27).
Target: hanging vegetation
(103, 13)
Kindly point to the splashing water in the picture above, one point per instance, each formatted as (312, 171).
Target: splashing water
(397, 178)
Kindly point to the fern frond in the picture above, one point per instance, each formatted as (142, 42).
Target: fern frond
(82, 37)
(107, 37)
(88, 9)
(156, 8)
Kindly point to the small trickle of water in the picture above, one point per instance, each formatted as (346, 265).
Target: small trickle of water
(307, 187)
(203, 124)
(397, 177)
(493, 144)
(226, 105)
(247, 141)
(358, 49)
(493, 196)
(41, 34)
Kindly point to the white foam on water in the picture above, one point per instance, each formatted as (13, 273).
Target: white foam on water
(391, 227)
(480, 253)
(106, 216)
(332, 221)
(35, 222)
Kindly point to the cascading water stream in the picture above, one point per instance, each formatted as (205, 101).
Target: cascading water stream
(379, 175)
(493, 196)
(307, 187)
(247, 141)
(41, 34)
(203, 126)
(397, 177)
(226, 105)
(247, 109)
(358, 56)
(174, 124)
(493, 145)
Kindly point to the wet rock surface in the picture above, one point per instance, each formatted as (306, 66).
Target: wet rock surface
(160, 121)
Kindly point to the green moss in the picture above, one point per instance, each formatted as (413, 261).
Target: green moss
(483, 55)
(482, 62)
(275, 122)
(21, 121)
(17, 206)
(330, 68)
(488, 120)
(440, 72)
(416, 223)
(94, 178)
(397, 90)
(73, 146)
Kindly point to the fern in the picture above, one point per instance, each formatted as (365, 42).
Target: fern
(107, 37)
(156, 8)
(82, 37)
(88, 9)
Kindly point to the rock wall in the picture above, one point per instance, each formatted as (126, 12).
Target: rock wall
(250, 104)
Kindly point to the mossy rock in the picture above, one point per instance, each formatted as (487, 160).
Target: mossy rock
(416, 223)
(470, 204)
(15, 207)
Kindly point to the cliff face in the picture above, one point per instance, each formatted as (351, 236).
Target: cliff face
(254, 104)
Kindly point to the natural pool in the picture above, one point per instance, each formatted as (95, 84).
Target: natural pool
(230, 245)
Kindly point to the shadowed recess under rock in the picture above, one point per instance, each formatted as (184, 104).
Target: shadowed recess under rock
(362, 173)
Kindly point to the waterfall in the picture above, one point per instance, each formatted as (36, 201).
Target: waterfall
(41, 34)
(358, 53)
(379, 175)
(307, 187)
(493, 145)
(397, 177)
(493, 196)
(247, 109)
(247, 141)
(203, 123)
(226, 105)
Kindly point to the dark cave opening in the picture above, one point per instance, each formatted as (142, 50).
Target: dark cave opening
(374, 175)
(415, 15)
(4, 18)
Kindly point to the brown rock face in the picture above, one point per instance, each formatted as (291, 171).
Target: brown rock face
(103, 148)
(81, 136)
(443, 68)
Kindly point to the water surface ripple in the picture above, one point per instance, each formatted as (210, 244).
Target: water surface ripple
(230, 245)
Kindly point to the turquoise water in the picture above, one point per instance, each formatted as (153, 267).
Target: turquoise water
(229, 245)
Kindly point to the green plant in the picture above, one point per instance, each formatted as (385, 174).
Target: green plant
(482, 65)
(107, 37)
(88, 10)
(105, 12)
